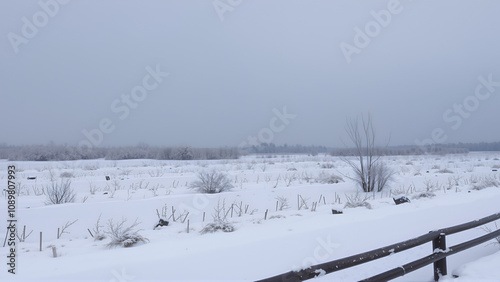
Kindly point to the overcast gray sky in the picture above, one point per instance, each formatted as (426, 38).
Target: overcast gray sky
(235, 66)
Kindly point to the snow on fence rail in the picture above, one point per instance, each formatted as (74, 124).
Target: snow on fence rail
(438, 256)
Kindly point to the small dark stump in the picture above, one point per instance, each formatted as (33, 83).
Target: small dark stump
(161, 223)
(494, 170)
(108, 178)
(401, 200)
(334, 211)
(31, 177)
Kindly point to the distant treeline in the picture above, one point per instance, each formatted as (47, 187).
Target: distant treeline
(483, 146)
(66, 153)
(271, 148)
(406, 150)
(435, 149)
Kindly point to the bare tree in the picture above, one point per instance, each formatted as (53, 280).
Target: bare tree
(369, 173)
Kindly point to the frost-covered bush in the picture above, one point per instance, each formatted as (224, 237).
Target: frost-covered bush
(216, 226)
(99, 234)
(356, 201)
(211, 182)
(59, 193)
(220, 220)
(328, 165)
(485, 182)
(66, 174)
(489, 230)
(124, 236)
(282, 203)
(426, 194)
(326, 178)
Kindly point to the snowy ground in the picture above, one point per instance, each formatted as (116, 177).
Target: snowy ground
(263, 244)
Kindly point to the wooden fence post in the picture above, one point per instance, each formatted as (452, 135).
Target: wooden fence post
(439, 266)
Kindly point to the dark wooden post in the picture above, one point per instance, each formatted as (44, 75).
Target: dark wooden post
(439, 266)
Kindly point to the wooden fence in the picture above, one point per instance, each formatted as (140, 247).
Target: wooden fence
(438, 256)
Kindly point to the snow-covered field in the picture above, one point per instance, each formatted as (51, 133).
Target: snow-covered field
(267, 241)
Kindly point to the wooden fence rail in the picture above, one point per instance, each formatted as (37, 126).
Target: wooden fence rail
(438, 256)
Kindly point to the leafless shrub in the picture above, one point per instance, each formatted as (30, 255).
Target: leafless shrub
(306, 176)
(444, 170)
(219, 220)
(356, 200)
(62, 230)
(267, 178)
(23, 235)
(426, 194)
(126, 172)
(59, 193)
(116, 185)
(155, 188)
(66, 174)
(91, 167)
(282, 203)
(99, 234)
(38, 191)
(436, 167)
(251, 165)
(289, 178)
(214, 227)
(489, 230)
(124, 236)
(485, 182)
(328, 178)
(263, 167)
(211, 182)
(93, 188)
(404, 170)
(417, 171)
(398, 191)
(19, 188)
(429, 186)
(456, 179)
(158, 172)
(327, 165)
